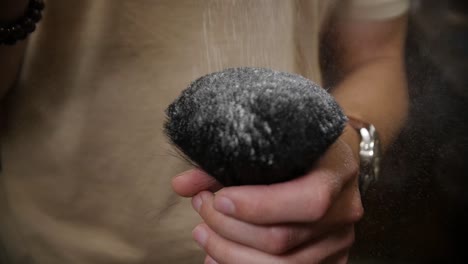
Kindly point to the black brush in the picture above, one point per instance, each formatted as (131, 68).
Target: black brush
(249, 126)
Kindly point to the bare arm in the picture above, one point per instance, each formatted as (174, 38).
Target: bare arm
(10, 56)
(326, 201)
(374, 86)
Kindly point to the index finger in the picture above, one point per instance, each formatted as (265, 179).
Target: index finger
(305, 199)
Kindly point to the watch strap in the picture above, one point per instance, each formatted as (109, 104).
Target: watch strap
(369, 153)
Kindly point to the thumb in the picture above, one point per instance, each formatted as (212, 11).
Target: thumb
(191, 182)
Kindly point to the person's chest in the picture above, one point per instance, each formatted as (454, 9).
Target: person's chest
(84, 146)
(99, 74)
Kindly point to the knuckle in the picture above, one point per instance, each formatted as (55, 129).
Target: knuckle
(357, 212)
(319, 205)
(216, 249)
(254, 210)
(280, 239)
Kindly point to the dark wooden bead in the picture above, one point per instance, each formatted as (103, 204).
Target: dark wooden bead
(16, 32)
(4, 32)
(11, 33)
(38, 4)
(35, 15)
(29, 25)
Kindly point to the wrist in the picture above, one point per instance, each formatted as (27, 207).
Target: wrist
(370, 152)
(351, 137)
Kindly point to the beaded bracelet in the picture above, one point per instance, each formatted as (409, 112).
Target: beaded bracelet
(22, 27)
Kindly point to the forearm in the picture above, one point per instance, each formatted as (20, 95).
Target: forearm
(374, 87)
(10, 56)
(376, 93)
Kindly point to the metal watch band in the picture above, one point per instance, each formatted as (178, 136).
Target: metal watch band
(369, 152)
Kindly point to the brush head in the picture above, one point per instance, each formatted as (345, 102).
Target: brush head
(249, 126)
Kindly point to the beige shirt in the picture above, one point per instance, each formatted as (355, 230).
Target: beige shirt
(86, 167)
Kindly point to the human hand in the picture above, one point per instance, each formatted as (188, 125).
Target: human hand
(306, 220)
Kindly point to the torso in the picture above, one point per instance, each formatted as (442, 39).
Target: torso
(87, 169)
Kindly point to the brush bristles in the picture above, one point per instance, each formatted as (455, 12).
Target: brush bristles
(254, 126)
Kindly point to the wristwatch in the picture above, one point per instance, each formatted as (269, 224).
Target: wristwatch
(369, 152)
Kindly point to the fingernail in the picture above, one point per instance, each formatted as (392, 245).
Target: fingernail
(224, 205)
(197, 203)
(209, 260)
(200, 235)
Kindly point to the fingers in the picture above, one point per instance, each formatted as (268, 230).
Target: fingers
(210, 260)
(278, 239)
(347, 208)
(244, 223)
(193, 181)
(224, 251)
(275, 239)
(304, 199)
(227, 252)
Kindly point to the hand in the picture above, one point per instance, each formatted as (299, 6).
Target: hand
(306, 220)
